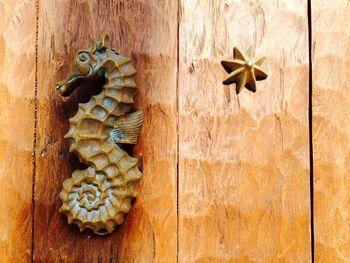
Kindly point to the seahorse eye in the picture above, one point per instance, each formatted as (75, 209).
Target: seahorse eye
(83, 57)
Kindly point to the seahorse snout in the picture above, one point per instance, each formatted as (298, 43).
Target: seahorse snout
(61, 88)
(66, 87)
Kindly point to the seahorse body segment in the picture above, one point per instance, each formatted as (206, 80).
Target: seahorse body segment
(99, 197)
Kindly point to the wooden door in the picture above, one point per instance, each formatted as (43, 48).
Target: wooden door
(254, 177)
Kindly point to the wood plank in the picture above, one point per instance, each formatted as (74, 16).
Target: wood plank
(17, 84)
(146, 32)
(244, 191)
(331, 129)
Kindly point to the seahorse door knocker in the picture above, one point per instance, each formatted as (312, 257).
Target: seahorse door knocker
(99, 197)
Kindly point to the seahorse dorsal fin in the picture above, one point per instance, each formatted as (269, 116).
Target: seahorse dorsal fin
(127, 128)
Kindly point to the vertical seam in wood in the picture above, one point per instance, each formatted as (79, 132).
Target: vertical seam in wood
(312, 230)
(35, 123)
(177, 129)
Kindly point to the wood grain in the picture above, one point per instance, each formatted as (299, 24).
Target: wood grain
(243, 160)
(331, 129)
(17, 84)
(146, 32)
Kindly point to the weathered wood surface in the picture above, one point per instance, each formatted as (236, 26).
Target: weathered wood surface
(331, 129)
(244, 193)
(146, 32)
(243, 166)
(17, 84)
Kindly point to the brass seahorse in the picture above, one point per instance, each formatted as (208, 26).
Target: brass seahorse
(99, 197)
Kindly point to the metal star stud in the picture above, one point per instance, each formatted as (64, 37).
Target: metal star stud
(244, 70)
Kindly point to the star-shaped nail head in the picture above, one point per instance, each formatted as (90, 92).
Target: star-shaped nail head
(244, 70)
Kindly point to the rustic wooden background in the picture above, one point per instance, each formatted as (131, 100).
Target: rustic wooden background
(251, 178)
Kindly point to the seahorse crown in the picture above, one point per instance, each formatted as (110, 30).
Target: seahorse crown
(100, 196)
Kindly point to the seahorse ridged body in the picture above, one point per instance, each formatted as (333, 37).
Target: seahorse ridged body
(99, 197)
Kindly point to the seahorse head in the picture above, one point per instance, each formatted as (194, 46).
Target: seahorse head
(88, 64)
